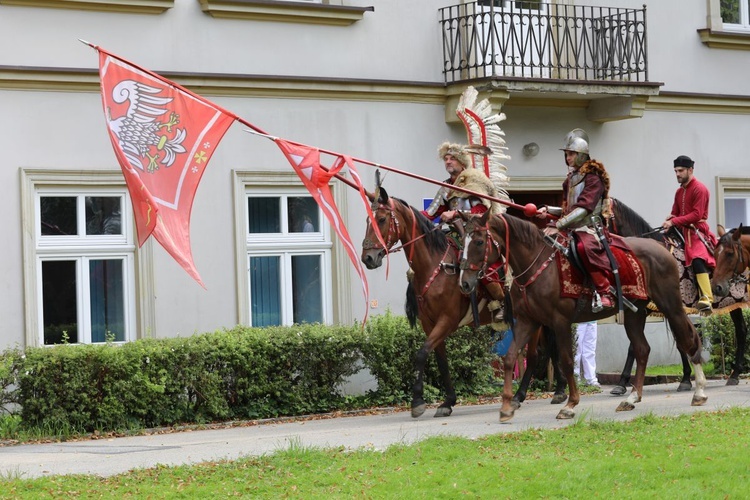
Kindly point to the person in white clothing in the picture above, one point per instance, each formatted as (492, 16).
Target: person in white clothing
(585, 359)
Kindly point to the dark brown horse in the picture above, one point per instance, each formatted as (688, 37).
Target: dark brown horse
(536, 297)
(732, 256)
(433, 293)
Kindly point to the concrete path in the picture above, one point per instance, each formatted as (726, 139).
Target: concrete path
(105, 457)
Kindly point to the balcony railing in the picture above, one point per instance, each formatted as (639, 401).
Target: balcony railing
(529, 39)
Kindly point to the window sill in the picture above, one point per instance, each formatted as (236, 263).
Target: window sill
(291, 12)
(725, 39)
(129, 6)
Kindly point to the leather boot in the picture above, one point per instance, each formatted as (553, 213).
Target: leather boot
(497, 293)
(601, 284)
(704, 285)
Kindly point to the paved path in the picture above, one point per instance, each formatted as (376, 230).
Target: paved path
(107, 457)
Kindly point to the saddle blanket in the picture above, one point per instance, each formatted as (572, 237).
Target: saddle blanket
(632, 279)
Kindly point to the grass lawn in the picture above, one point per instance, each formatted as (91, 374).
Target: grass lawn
(702, 455)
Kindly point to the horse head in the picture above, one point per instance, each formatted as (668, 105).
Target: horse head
(384, 219)
(478, 252)
(731, 261)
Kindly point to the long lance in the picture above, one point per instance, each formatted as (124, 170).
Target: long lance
(529, 209)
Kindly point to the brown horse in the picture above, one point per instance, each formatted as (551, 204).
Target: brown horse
(732, 255)
(535, 294)
(433, 294)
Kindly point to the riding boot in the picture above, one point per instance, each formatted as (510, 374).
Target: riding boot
(601, 284)
(704, 285)
(495, 289)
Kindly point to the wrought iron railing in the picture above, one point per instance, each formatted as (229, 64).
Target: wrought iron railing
(530, 39)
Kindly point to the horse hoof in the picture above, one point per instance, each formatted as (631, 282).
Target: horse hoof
(506, 415)
(618, 390)
(558, 399)
(566, 414)
(418, 411)
(515, 404)
(443, 411)
(625, 406)
(684, 386)
(733, 381)
(699, 400)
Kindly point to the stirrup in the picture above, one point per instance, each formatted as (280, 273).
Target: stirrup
(704, 304)
(596, 302)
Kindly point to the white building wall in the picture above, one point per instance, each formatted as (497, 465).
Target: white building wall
(398, 42)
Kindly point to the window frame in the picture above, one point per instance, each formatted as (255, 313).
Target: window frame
(335, 273)
(137, 262)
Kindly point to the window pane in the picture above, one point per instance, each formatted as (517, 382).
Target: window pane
(735, 212)
(264, 215)
(103, 215)
(265, 292)
(59, 302)
(730, 11)
(58, 215)
(303, 214)
(107, 300)
(307, 290)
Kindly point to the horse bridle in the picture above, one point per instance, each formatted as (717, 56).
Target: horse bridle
(394, 228)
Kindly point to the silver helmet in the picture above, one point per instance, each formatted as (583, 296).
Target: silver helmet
(577, 140)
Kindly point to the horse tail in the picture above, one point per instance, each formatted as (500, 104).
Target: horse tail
(412, 306)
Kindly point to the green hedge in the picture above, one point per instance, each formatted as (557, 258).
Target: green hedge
(242, 373)
(718, 329)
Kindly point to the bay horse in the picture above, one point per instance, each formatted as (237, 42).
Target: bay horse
(433, 293)
(535, 293)
(627, 222)
(732, 255)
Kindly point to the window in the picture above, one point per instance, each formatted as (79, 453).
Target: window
(733, 201)
(734, 14)
(288, 258)
(80, 259)
(84, 266)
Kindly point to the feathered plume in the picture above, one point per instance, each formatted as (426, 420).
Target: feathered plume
(486, 139)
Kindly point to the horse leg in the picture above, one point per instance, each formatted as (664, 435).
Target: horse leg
(685, 384)
(445, 409)
(689, 342)
(523, 387)
(740, 335)
(418, 405)
(622, 385)
(522, 333)
(634, 324)
(564, 337)
(559, 395)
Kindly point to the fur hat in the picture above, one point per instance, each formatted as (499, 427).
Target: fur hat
(475, 180)
(458, 151)
(683, 161)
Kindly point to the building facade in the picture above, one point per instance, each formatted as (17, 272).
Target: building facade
(375, 80)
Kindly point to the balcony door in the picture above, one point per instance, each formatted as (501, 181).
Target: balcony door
(515, 38)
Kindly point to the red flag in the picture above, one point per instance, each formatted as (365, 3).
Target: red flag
(306, 162)
(163, 136)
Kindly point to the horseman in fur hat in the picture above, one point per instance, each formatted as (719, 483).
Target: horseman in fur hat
(447, 202)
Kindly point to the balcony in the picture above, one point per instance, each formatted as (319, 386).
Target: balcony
(535, 53)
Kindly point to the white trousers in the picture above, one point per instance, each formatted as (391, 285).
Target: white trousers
(585, 358)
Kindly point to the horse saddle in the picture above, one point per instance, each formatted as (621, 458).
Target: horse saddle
(573, 275)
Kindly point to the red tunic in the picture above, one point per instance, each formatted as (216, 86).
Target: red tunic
(689, 213)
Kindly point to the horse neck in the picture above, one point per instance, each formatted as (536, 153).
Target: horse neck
(420, 258)
(745, 247)
(520, 254)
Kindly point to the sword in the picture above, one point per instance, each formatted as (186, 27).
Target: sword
(615, 269)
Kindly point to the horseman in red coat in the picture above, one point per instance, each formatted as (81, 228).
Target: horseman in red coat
(689, 215)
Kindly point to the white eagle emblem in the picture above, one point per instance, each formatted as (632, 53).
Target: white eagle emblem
(139, 133)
